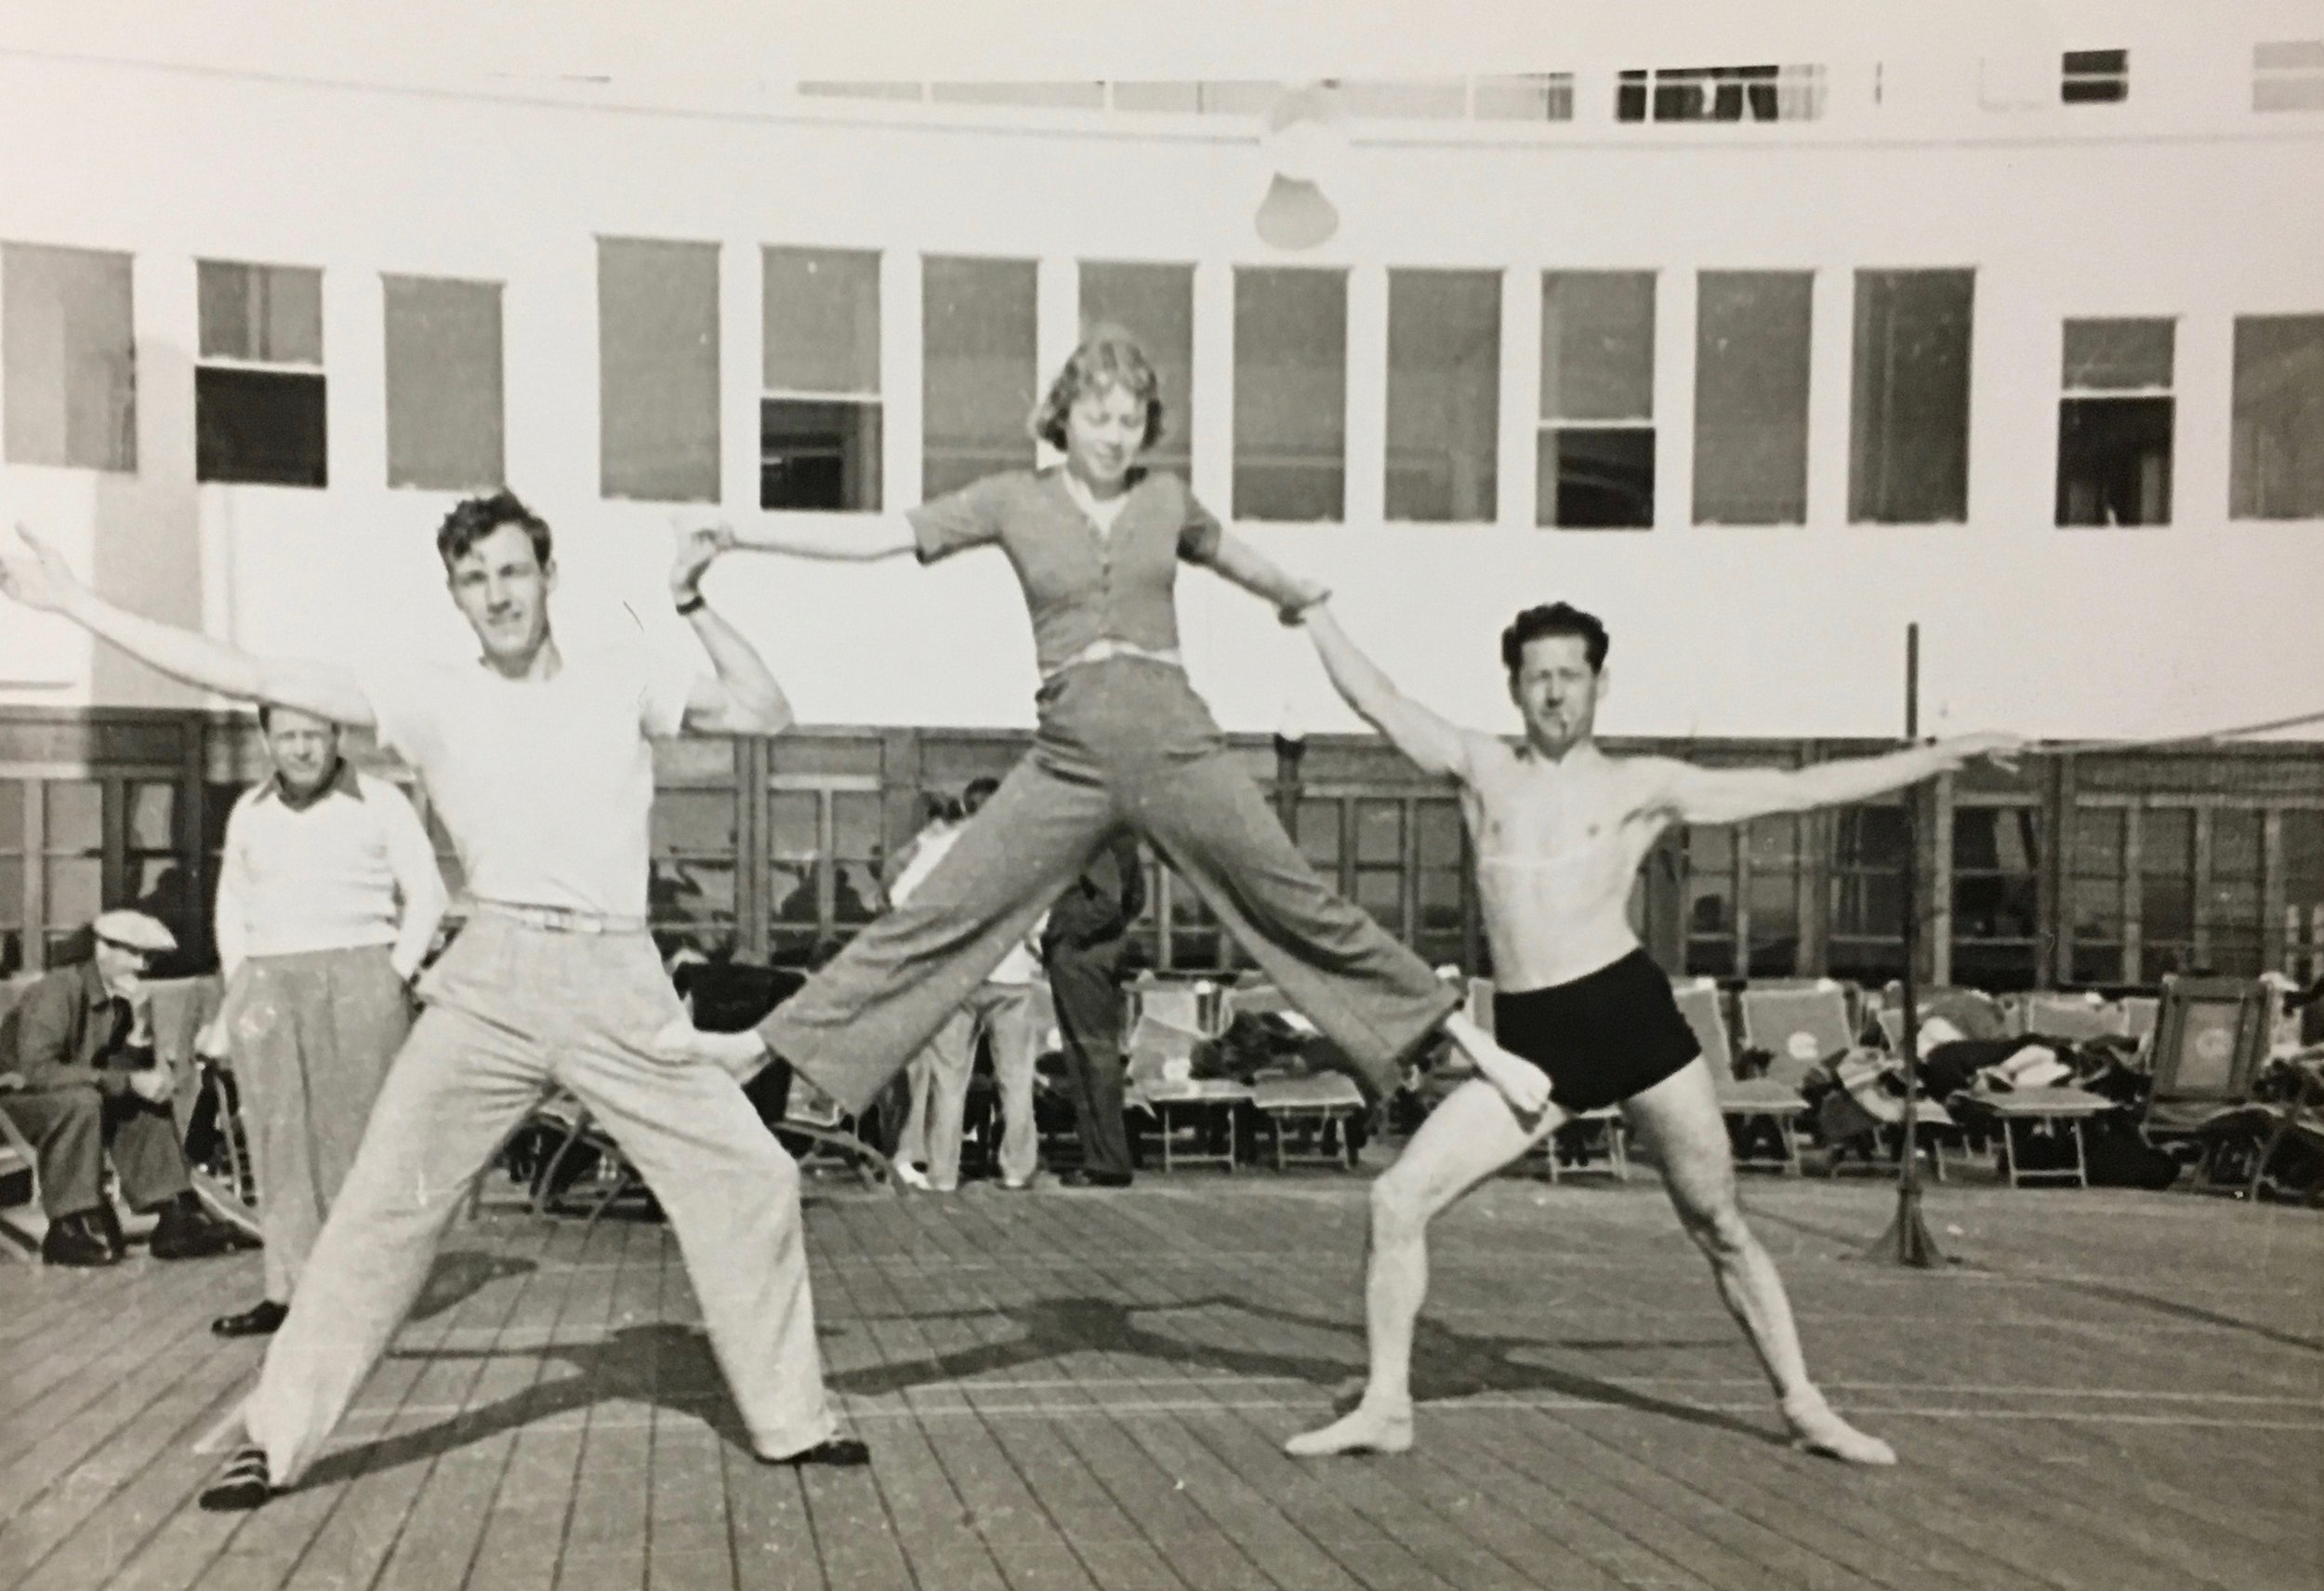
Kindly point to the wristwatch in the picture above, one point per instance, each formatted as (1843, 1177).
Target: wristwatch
(690, 606)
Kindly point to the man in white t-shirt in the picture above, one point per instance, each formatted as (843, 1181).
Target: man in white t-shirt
(541, 768)
(1001, 1011)
(328, 896)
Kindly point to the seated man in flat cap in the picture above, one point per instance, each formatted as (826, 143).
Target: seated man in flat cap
(91, 1087)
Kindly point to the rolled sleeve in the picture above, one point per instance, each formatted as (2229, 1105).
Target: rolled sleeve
(969, 517)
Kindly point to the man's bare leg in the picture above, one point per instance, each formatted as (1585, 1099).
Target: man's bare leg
(1473, 1133)
(1681, 1119)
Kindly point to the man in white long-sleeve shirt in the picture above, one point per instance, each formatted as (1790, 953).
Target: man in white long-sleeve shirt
(328, 896)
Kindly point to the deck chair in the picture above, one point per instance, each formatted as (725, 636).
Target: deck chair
(1740, 1099)
(21, 1226)
(2075, 1018)
(1805, 1027)
(1161, 1081)
(2211, 1037)
(2242, 1145)
(182, 1007)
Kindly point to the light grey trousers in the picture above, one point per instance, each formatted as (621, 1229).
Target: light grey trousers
(312, 1037)
(1123, 742)
(510, 1010)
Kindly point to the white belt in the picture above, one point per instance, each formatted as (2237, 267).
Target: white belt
(1097, 650)
(560, 919)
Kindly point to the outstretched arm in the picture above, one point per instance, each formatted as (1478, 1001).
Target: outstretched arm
(740, 696)
(1238, 562)
(1733, 795)
(1437, 746)
(877, 537)
(37, 575)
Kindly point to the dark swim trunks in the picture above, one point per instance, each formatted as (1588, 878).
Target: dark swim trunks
(1602, 1038)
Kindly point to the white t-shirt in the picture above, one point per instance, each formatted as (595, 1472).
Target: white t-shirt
(546, 786)
(1017, 966)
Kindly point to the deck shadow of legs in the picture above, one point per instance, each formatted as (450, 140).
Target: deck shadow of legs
(457, 1277)
(1448, 1365)
(662, 1365)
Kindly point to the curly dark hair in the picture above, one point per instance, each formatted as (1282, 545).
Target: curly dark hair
(476, 518)
(1553, 618)
(1109, 356)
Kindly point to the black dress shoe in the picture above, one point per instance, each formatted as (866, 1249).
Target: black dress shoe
(260, 1319)
(1081, 1177)
(76, 1239)
(184, 1232)
(838, 1452)
(241, 1485)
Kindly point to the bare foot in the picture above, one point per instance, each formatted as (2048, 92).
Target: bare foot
(1814, 1428)
(1363, 1430)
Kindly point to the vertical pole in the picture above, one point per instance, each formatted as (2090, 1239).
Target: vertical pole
(1907, 1240)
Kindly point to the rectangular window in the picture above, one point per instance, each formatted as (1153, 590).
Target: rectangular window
(2100, 896)
(1721, 94)
(71, 383)
(443, 384)
(819, 409)
(2228, 923)
(2095, 76)
(1290, 394)
(1997, 866)
(690, 886)
(14, 908)
(2166, 892)
(73, 859)
(1155, 304)
(1595, 457)
(257, 387)
(657, 345)
(2302, 836)
(1543, 97)
(1751, 333)
(1714, 916)
(1439, 882)
(1444, 395)
(1909, 409)
(2278, 457)
(2115, 423)
(978, 380)
(1088, 96)
(2288, 76)
(1772, 862)
(1868, 894)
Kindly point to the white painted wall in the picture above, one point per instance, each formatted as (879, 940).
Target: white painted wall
(2182, 204)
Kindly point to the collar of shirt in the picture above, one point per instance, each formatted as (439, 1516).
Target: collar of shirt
(340, 781)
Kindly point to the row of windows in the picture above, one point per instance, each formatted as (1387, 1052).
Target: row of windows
(2285, 76)
(66, 342)
(2146, 884)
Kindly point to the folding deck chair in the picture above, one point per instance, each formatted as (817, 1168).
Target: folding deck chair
(1320, 1107)
(2211, 1037)
(1807, 1025)
(1740, 1099)
(1161, 1056)
(2071, 1018)
(21, 1226)
(181, 1008)
(2021, 1116)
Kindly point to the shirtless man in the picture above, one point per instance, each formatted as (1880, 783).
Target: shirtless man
(1559, 830)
